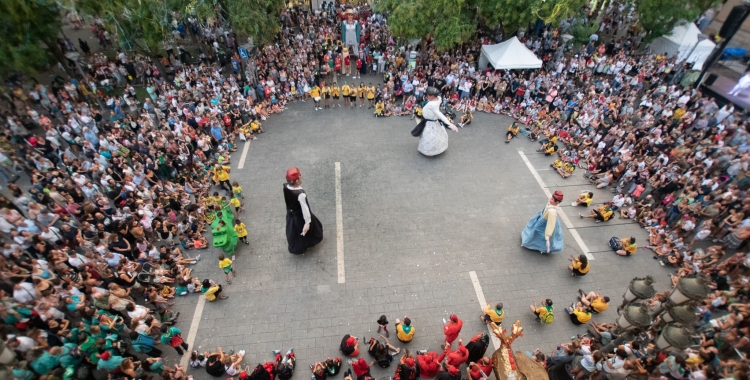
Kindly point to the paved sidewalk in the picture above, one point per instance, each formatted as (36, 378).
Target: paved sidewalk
(414, 227)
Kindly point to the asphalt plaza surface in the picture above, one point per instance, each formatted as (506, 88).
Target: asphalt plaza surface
(413, 230)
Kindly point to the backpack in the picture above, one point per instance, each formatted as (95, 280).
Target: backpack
(615, 243)
(548, 318)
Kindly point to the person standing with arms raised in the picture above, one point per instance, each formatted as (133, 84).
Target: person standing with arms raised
(303, 229)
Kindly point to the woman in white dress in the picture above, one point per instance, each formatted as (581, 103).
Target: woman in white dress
(434, 138)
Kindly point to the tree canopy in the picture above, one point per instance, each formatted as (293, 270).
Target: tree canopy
(25, 27)
(451, 22)
(659, 17)
(146, 24)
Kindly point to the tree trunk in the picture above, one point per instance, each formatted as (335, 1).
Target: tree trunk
(58, 54)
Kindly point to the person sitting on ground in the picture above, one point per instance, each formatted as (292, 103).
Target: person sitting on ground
(584, 199)
(319, 371)
(628, 247)
(466, 118)
(544, 313)
(333, 366)
(215, 363)
(602, 213)
(579, 313)
(349, 345)
(597, 302)
(493, 315)
(579, 266)
(361, 368)
(214, 291)
(284, 369)
(548, 148)
(602, 332)
(407, 369)
(198, 241)
(404, 330)
(566, 170)
(382, 352)
(628, 213)
(231, 363)
(379, 108)
(512, 132)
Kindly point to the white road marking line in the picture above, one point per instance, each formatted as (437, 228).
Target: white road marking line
(339, 227)
(566, 221)
(483, 304)
(193, 332)
(244, 155)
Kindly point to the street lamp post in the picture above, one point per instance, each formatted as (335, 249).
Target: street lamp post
(639, 289)
(674, 337)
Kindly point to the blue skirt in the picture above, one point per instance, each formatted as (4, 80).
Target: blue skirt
(532, 236)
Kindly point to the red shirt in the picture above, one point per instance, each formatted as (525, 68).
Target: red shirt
(458, 357)
(452, 329)
(337, 63)
(359, 63)
(360, 370)
(476, 374)
(428, 364)
(347, 61)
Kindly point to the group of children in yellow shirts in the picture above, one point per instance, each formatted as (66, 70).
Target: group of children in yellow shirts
(348, 93)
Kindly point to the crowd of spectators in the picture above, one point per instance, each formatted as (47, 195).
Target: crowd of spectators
(119, 182)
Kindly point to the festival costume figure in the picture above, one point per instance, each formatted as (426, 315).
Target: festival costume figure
(350, 32)
(543, 233)
(224, 237)
(303, 229)
(434, 138)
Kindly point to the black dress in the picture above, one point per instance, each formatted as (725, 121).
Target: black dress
(295, 221)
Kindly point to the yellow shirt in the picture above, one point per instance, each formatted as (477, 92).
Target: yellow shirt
(234, 202)
(542, 311)
(599, 305)
(254, 126)
(494, 315)
(379, 108)
(237, 189)
(629, 247)
(371, 92)
(326, 90)
(569, 167)
(240, 229)
(582, 316)
(345, 90)
(361, 91)
(315, 92)
(404, 333)
(587, 199)
(225, 263)
(578, 265)
(221, 173)
(335, 91)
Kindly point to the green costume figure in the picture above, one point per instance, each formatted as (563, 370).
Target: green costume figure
(225, 237)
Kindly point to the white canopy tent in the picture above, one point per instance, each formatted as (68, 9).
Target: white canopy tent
(508, 55)
(681, 42)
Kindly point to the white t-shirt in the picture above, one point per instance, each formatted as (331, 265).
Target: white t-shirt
(25, 294)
